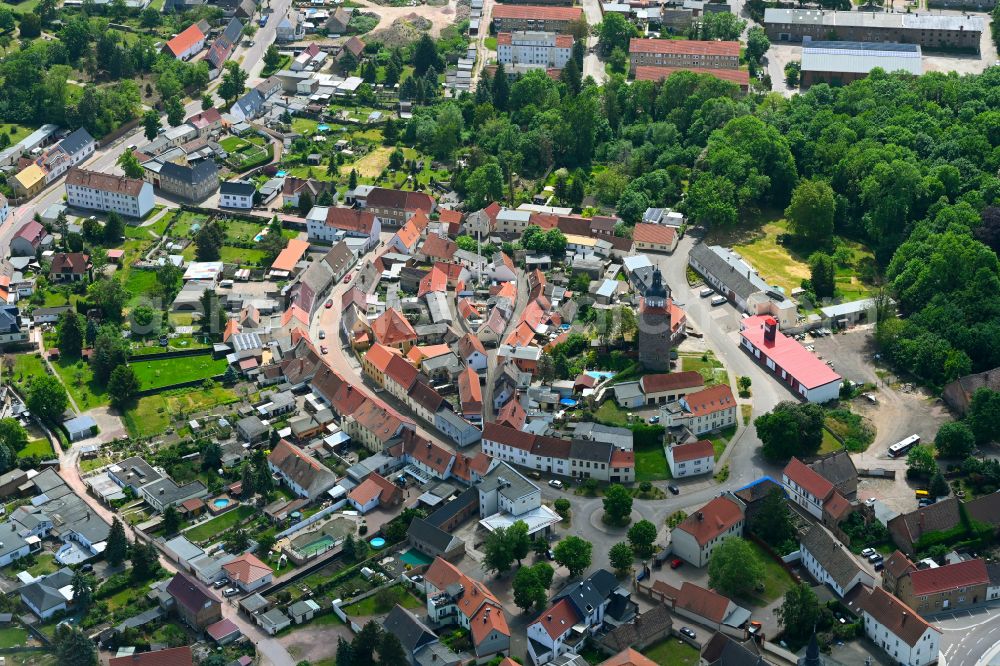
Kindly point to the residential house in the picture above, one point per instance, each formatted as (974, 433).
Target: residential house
(472, 352)
(30, 238)
(930, 590)
(706, 607)
(691, 459)
(189, 182)
(333, 224)
(11, 329)
(196, 605)
(206, 123)
(178, 656)
(238, 194)
(248, 573)
(373, 492)
(899, 630)
(471, 395)
(660, 389)
(813, 493)
(702, 411)
(188, 42)
(248, 106)
(646, 629)
(830, 562)
(433, 541)
(392, 329)
(654, 238)
(13, 545)
(696, 537)
(224, 44)
(49, 594)
(421, 644)
(578, 611)
(374, 425)
(395, 207)
(838, 469)
(455, 598)
(291, 28)
(672, 53)
(92, 190)
(165, 492)
(303, 474)
(725, 650)
(338, 21)
(406, 240)
(293, 189)
(69, 266)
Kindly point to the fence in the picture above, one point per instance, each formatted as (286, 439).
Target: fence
(309, 521)
(179, 353)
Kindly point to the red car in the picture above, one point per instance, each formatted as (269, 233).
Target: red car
(323, 349)
(347, 278)
(329, 303)
(674, 563)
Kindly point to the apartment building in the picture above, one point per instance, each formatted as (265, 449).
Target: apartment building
(539, 50)
(683, 53)
(508, 18)
(98, 191)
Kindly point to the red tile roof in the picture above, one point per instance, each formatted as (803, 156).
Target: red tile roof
(436, 247)
(190, 592)
(693, 451)
(221, 629)
(435, 280)
(291, 255)
(468, 344)
(713, 519)
(105, 182)
(392, 328)
(381, 197)
(789, 355)
(558, 619)
(655, 73)
(711, 400)
(659, 234)
(537, 13)
(178, 656)
(408, 235)
(442, 573)
(806, 478)
(205, 118)
(424, 450)
(349, 219)
(401, 372)
(488, 619)
(684, 47)
(449, 216)
(32, 231)
(628, 657)
(470, 391)
(376, 417)
(620, 458)
(379, 356)
(897, 617)
(512, 414)
(247, 569)
(368, 490)
(670, 382)
(185, 40)
(949, 577)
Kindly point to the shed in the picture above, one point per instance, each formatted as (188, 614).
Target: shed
(81, 427)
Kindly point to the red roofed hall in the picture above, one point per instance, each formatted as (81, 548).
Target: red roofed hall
(654, 238)
(248, 572)
(691, 459)
(288, 258)
(507, 18)
(947, 587)
(790, 362)
(392, 329)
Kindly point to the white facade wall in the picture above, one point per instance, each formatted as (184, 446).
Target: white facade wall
(686, 547)
(319, 230)
(533, 48)
(816, 570)
(803, 497)
(925, 652)
(694, 467)
(94, 199)
(241, 201)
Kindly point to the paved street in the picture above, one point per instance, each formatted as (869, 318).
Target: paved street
(592, 65)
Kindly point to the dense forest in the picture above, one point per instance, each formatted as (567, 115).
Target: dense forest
(912, 163)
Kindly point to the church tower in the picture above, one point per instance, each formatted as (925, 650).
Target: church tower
(654, 326)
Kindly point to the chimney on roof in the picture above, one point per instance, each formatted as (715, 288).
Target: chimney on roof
(548, 618)
(904, 617)
(700, 516)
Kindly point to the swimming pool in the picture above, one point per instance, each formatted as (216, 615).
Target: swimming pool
(319, 545)
(220, 503)
(377, 542)
(415, 558)
(280, 174)
(600, 374)
(323, 128)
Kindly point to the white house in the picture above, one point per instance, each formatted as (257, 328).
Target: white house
(92, 190)
(537, 50)
(237, 194)
(333, 224)
(830, 562)
(248, 572)
(50, 594)
(691, 459)
(896, 628)
(702, 411)
(12, 545)
(472, 352)
(695, 538)
(811, 491)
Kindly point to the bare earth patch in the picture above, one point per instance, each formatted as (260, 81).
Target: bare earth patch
(371, 165)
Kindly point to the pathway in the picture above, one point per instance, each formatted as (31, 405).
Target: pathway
(40, 339)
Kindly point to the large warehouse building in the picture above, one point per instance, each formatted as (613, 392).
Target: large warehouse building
(839, 63)
(931, 31)
(806, 375)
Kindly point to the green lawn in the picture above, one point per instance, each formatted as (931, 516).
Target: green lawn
(26, 366)
(238, 230)
(155, 373)
(233, 143)
(78, 377)
(610, 413)
(13, 637)
(15, 131)
(153, 414)
(721, 439)
(651, 464)
(830, 443)
(491, 43)
(776, 579)
(45, 563)
(673, 652)
(240, 255)
(139, 284)
(181, 224)
(370, 606)
(711, 370)
(217, 526)
(304, 126)
(36, 447)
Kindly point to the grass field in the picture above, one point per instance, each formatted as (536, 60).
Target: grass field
(673, 652)
(721, 439)
(217, 526)
(139, 284)
(36, 447)
(371, 165)
(79, 380)
(304, 126)
(13, 637)
(370, 606)
(651, 464)
(776, 579)
(182, 223)
(491, 43)
(611, 413)
(26, 366)
(240, 231)
(152, 415)
(711, 370)
(240, 255)
(155, 373)
(830, 443)
(15, 131)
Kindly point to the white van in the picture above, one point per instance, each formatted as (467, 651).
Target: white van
(706, 292)
(719, 300)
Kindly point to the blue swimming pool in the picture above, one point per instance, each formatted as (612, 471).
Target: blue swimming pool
(600, 374)
(221, 503)
(377, 542)
(280, 174)
(323, 128)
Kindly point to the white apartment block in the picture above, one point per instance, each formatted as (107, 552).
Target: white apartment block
(536, 49)
(98, 191)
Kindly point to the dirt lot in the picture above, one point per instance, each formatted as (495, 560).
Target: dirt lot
(315, 642)
(440, 17)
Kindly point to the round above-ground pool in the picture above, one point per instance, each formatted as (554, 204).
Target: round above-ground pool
(221, 502)
(377, 542)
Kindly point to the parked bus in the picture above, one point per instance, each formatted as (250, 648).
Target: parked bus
(901, 447)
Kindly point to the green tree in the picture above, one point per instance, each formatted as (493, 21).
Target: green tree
(366, 642)
(265, 543)
(631, 206)
(31, 26)
(70, 645)
(114, 229)
(790, 429)
(642, 536)
(130, 164)
(484, 185)
(519, 541)
(207, 102)
(773, 523)
(711, 201)
(352, 179)
(575, 554)
(175, 111)
(271, 58)
(234, 82)
(614, 32)
(171, 520)
(799, 612)
(123, 386)
(208, 242)
(757, 44)
(744, 383)
(347, 62)
(734, 568)
(47, 399)
(498, 552)
(151, 124)
(823, 274)
(810, 213)
(617, 505)
(390, 650)
(501, 89)
(110, 297)
(920, 462)
(792, 71)
(13, 435)
(528, 591)
(621, 557)
(110, 352)
(954, 440)
(618, 61)
(83, 589)
(938, 486)
(117, 547)
(69, 334)
(145, 562)
(425, 56)
(396, 159)
(721, 25)
(984, 415)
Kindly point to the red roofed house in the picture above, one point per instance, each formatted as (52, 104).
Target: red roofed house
(899, 630)
(695, 538)
(691, 459)
(248, 572)
(189, 42)
(704, 606)
(28, 239)
(472, 352)
(663, 388)
(374, 425)
(303, 474)
(196, 605)
(68, 266)
(206, 122)
(813, 493)
(512, 415)
(436, 248)
(507, 18)
(339, 223)
(395, 207)
(683, 53)
(406, 239)
(703, 411)
(805, 375)
(944, 588)
(627, 657)
(400, 376)
(453, 597)
(471, 395)
(376, 360)
(654, 238)
(435, 280)
(373, 492)
(425, 455)
(178, 656)
(288, 258)
(224, 632)
(392, 329)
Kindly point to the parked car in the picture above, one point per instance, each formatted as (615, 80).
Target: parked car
(329, 303)
(675, 563)
(347, 278)
(706, 292)
(688, 632)
(879, 565)
(230, 592)
(323, 349)
(674, 489)
(322, 335)
(867, 552)
(719, 300)
(556, 483)
(653, 420)
(874, 557)
(220, 583)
